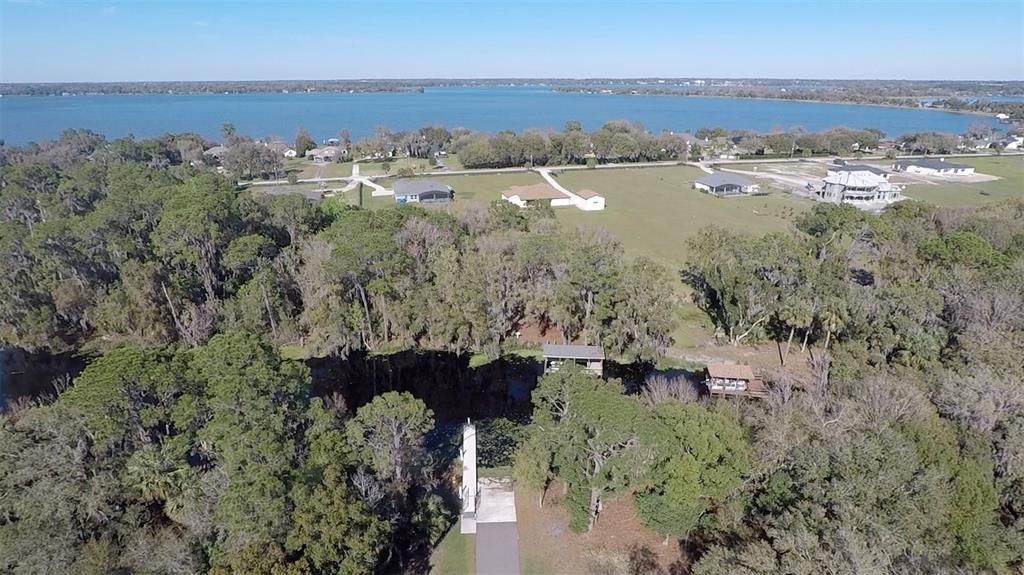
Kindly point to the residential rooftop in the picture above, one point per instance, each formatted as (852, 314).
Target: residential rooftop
(573, 351)
(417, 186)
(724, 179)
(933, 163)
(857, 168)
(539, 191)
(730, 371)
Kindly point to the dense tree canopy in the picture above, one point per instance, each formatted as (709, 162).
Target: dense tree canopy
(191, 443)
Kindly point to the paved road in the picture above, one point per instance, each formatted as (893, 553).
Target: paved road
(497, 549)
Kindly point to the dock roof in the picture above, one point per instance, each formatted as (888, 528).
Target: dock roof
(573, 351)
(730, 371)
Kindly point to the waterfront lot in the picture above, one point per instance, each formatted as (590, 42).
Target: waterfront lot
(951, 192)
(305, 169)
(377, 168)
(654, 211)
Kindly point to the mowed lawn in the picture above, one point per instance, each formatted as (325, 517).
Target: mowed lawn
(1009, 169)
(654, 211)
(327, 170)
(377, 168)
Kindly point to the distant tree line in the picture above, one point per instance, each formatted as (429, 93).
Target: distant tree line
(964, 96)
(614, 142)
(200, 87)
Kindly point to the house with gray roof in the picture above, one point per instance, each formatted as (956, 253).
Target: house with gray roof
(589, 357)
(933, 167)
(216, 152)
(725, 184)
(842, 166)
(422, 191)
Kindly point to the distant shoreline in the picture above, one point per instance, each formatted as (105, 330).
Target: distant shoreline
(792, 100)
(421, 90)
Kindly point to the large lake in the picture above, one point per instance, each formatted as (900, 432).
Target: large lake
(30, 118)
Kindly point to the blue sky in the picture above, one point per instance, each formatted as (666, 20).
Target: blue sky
(87, 40)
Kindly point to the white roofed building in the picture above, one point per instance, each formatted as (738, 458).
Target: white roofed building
(866, 190)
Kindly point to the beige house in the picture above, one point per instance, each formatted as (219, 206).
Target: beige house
(536, 194)
(546, 194)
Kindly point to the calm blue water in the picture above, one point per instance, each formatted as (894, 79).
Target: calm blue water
(24, 119)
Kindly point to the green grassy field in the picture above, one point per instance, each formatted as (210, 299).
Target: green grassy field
(331, 170)
(377, 168)
(455, 554)
(1010, 170)
(453, 162)
(654, 211)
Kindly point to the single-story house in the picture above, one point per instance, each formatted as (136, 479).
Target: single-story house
(726, 379)
(932, 167)
(281, 148)
(589, 357)
(216, 152)
(1013, 143)
(415, 190)
(325, 154)
(535, 194)
(725, 184)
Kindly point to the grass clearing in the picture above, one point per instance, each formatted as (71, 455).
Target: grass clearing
(455, 554)
(547, 545)
(327, 170)
(485, 188)
(453, 162)
(1010, 170)
(377, 168)
(654, 211)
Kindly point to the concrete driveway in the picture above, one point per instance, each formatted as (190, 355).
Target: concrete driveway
(497, 549)
(497, 537)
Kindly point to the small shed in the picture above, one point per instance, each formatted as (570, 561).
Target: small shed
(591, 201)
(589, 357)
(728, 379)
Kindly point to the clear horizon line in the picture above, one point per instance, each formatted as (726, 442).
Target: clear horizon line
(517, 78)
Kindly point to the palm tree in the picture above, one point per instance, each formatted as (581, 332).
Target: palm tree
(154, 474)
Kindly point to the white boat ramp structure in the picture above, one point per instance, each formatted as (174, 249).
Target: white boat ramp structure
(489, 512)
